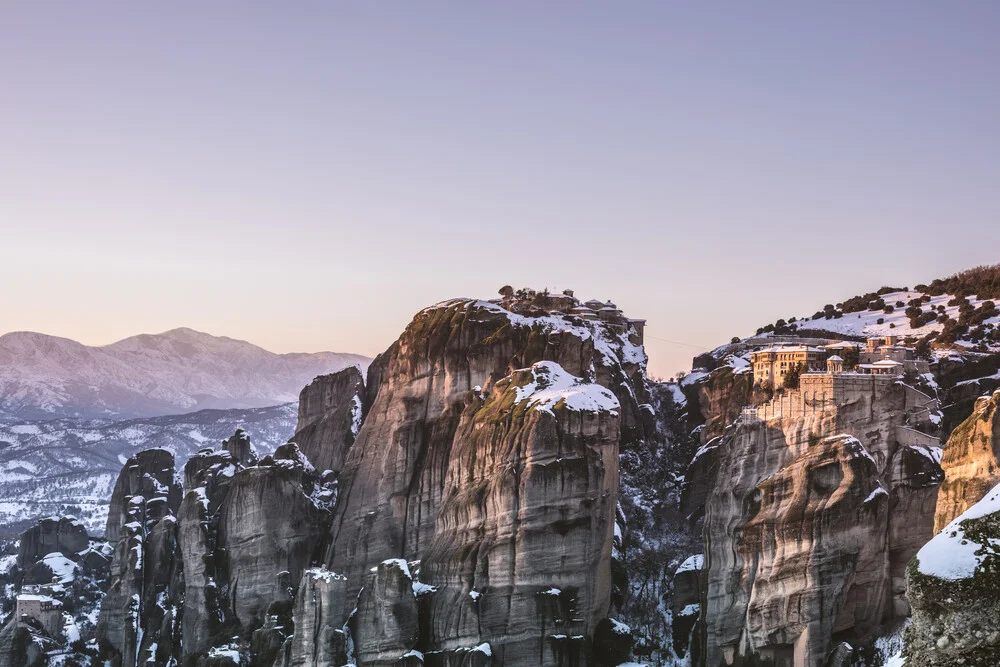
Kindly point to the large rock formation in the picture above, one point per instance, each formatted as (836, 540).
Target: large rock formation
(320, 639)
(952, 585)
(826, 498)
(207, 477)
(522, 550)
(138, 611)
(65, 535)
(721, 394)
(971, 461)
(387, 621)
(268, 527)
(330, 411)
(451, 439)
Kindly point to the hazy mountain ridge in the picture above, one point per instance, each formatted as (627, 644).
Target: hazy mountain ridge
(181, 370)
(69, 466)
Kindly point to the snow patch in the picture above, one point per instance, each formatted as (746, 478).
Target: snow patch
(950, 555)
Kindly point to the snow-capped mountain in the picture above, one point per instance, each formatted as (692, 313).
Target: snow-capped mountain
(177, 371)
(69, 466)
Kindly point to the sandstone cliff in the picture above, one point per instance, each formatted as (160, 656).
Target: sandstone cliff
(451, 440)
(826, 499)
(139, 609)
(970, 461)
(330, 413)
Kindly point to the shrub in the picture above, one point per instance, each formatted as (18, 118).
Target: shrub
(880, 320)
(900, 304)
(888, 310)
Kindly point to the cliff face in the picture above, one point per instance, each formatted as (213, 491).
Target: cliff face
(521, 555)
(191, 577)
(139, 608)
(970, 461)
(825, 501)
(952, 585)
(268, 525)
(721, 395)
(330, 412)
(450, 441)
(473, 520)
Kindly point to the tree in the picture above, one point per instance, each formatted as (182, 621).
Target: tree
(791, 380)
(852, 357)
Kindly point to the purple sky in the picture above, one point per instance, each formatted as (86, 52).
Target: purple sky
(309, 179)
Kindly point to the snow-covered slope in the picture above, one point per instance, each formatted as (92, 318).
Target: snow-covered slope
(897, 323)
(147, 375)
(69, 466)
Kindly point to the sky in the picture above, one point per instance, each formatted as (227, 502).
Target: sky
(309, 175)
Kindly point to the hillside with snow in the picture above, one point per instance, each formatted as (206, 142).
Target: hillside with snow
(69, 466)
(178, 371)
(877, 322)
(958, 313)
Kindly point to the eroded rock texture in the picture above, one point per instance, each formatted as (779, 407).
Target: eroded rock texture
(320, 639)
(449, 441)
(820, 510)
(207, 476)
(241, 449)
(970, 461)
(952, 585)
(330, 411)
(65, 535)
(522, 550)
(387, 623)
(269, 523)
(135, 623)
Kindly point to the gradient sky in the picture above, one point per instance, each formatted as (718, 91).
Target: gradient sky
(308, 175)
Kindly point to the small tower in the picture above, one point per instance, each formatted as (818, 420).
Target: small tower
(835, 364)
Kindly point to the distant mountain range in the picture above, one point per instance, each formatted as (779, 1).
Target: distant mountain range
(178, 371)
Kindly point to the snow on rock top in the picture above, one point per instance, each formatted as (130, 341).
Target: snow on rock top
(553, 386)
(693, 563)
(615, 348)
(951, 554)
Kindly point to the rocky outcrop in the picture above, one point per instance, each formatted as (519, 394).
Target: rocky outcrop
(914, 476)
(952, 586)
(720, 395)
(393, 482)
(970, 461)
(330, 411)
(387, 623)
(24, 645)
(319, 639)
(822, 507)
(137, 612)
(449, 440)
(685, 607)
(521, 557)
(207, 477)
(268, 527)
(65, 535)
(241, 449)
